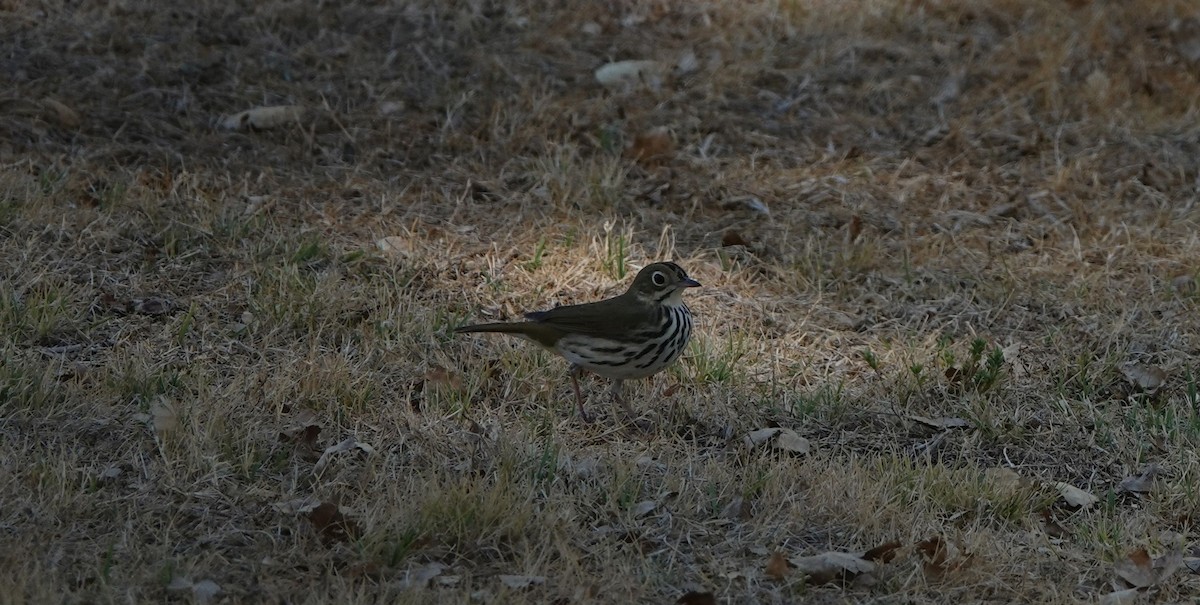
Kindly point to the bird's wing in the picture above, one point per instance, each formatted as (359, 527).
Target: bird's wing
(605, 319)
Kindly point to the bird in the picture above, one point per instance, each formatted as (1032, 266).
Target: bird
(633, 335)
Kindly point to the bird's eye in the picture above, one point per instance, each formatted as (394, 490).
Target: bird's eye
(659, 279)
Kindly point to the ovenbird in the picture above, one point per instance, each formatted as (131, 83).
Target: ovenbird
(633, 335)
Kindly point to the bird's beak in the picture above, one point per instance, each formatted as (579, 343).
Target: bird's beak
(688, 282)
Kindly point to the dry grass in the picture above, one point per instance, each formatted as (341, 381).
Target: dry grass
(180, 303)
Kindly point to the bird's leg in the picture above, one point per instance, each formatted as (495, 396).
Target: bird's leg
(575, 372)
(616, 393)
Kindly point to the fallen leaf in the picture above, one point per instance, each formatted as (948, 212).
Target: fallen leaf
(697, 598)
(442, 378)
(1166, 565)
(202, 592)
(779, 438)
(263, 117)
(419, 577)
(396, 245)
(179, 584)
(1120, 597)
(331, 524)
(761, 436)
(390, 107)
(737, 509)
(940, 557)
(687, 62)
(641, 509)
(1184, 284)
(884, 553)
(1003, 480)
(942, 423)
(652, 146)
(1136, 568)
(303, 432)
(855, 228)
(789, 441)
(1052, 527)
(205, 590)
(60, 113)
(1144, 376)
(369, 569)
(627, 73)
(777, 566)
(1141, 483)
(750, 202)
(345, 445)
(829, 566)
(1075, 496)
(165, 416)
(733, 238)
(519, 582)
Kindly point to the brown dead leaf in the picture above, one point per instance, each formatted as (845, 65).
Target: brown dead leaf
(443, 378)
(396, 245)
(1141, 483)
(652, 146)
(884, 553)
(1052, 527)
(777, 566)
(830, 566)
(933, 554)
(697, 598)
(733, 238)
(1139, 570)
(331, 525)
(59, 113)
(1136, 568)
(303, 436)
(854, 229)
(939, 557)
(369, 570)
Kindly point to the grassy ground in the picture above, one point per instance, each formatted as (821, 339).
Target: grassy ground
(952, 245)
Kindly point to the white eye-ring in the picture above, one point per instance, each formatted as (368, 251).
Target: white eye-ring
(659, 279)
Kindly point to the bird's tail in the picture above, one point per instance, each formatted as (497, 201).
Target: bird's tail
(503, 328)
